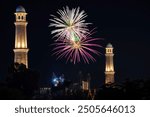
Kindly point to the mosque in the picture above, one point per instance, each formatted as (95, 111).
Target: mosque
(21, 49)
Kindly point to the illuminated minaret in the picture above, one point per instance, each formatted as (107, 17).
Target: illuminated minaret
(109, 69)
(21, 49)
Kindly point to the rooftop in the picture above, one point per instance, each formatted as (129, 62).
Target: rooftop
(20, 9)
(109, 45)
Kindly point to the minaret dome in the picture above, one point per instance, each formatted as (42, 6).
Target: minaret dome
(109, 45)
(20, 9)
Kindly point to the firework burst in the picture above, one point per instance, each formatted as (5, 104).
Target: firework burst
(73, 38)
(70, 24)
(77, 51)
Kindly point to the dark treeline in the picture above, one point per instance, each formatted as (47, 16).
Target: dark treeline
(22, 83)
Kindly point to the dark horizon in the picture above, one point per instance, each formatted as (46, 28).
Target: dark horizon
(125, 24)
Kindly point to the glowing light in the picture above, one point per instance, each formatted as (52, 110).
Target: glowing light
(61, 80)
(57, 81)
(70, 24)
(18, 44)
(85, 85)
(23, 45)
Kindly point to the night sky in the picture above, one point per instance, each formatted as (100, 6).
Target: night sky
(124, 23)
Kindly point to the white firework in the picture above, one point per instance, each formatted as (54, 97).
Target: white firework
(70, 24)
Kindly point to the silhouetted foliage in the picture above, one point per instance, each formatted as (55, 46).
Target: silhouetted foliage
(21, 82)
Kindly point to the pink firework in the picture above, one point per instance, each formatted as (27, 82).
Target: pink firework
(77, 51)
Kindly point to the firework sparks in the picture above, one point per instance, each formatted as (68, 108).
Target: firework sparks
(70, 25)
(76, 51)
(74, 41)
